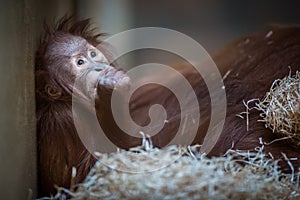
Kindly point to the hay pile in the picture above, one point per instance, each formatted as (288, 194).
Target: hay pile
(281, 108)
(134, 174)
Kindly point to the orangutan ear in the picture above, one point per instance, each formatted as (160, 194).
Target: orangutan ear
(53, 93)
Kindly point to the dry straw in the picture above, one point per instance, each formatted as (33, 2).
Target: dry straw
(237, 175)
(281, 108)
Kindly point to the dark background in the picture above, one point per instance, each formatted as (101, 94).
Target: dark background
(212, 23)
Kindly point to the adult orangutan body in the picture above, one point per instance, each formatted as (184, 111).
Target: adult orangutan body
(69, 50)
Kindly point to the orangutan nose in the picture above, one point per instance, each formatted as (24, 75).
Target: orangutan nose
(100, 67)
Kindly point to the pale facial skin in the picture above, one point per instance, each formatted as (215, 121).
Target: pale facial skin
(90, 65)
(91, 58)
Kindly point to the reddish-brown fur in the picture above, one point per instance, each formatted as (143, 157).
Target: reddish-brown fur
(254, 63)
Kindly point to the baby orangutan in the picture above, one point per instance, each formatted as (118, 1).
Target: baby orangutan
(68, 52)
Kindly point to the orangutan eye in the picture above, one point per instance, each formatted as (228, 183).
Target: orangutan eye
(93, 54)
(80, 62)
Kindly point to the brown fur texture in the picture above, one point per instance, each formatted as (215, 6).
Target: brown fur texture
(59, 145)
(254, 63)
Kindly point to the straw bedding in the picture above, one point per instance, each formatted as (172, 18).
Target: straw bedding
(281, 108)
(189, 175)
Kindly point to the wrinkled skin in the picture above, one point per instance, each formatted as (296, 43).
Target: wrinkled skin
(254, 63)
